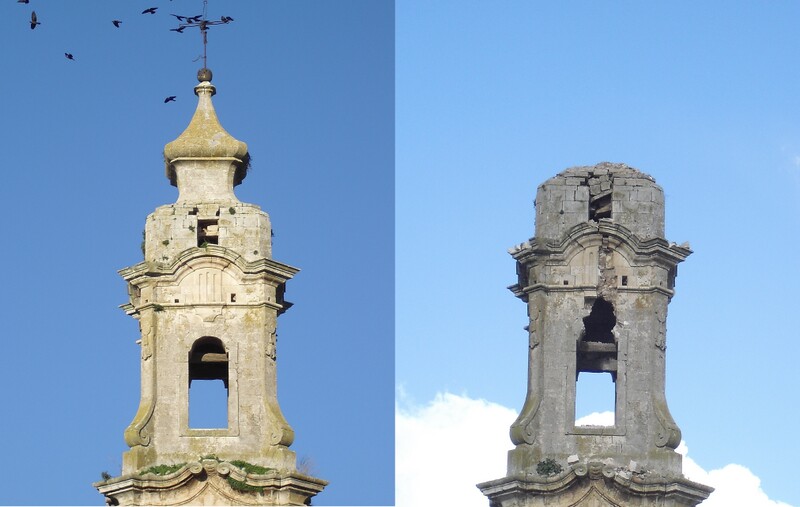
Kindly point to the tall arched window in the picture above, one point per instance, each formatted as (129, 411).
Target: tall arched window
(596, 361)
(208, 384)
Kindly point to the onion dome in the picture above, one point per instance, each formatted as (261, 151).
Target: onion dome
(205, 142)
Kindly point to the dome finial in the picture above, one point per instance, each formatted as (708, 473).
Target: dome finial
(204, 74)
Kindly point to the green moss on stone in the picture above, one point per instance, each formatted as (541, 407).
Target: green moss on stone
(250, 468)
(163, 469)
(243, 486)
(548, 467)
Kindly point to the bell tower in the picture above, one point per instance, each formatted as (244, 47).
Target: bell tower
(597, 278)
(207, 297)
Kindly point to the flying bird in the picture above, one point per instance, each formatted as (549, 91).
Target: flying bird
(226, 19)
(180, 18)
(151, 10)
(34, 21)
(22, 1)
(171, 98)
(195, 18)
(69, 56)
(116, 22)
(179, 29)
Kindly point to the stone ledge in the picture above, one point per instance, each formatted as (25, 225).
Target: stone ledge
(616, 487)
(206, 483)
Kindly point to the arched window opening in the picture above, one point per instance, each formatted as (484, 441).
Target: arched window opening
(208, 384)
(596, 356)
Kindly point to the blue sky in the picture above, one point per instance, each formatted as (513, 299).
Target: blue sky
(309, 86)
(493, 99)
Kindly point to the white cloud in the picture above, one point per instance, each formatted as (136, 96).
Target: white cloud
(446, 447)
(454, 442)
(596, 419)
(734, 484)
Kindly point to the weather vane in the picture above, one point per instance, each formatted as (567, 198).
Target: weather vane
(203, 23)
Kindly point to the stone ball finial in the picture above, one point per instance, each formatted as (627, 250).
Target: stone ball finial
(204, 74)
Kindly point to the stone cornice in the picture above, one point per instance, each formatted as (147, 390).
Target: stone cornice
(275, 270)
(623, 481)
(522, 292)
(149, 486)
(669, 253)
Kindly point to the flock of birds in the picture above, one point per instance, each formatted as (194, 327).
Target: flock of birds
(185, 22)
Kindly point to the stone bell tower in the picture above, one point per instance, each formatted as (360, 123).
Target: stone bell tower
(597, 278)
(207, 297)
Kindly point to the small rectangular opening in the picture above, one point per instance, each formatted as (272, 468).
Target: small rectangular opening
(233, 298)
(624, 281)
(600, 207)
(207, 232)
(595, 399)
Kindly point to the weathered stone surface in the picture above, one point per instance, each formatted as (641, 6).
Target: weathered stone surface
(211, 482)
(597, 278)
(594, 484)
(207, 297)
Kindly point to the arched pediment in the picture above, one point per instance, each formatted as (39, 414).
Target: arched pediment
(207, 278)
(588, 235)
(210, 256)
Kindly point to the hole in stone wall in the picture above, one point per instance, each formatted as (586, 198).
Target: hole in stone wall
(599, 323)
(207, 232)
(595, 396)
(600, 207)
(566, 282)
(233, 298)
(624, 281)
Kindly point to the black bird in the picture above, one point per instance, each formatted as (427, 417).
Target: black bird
(171, 98)
(179, 29)
(180, 18)
(34, 21)
(226, 19)
(151, 10)
(22, 1)
(116, 22)
(69, 56)
(195, 18)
